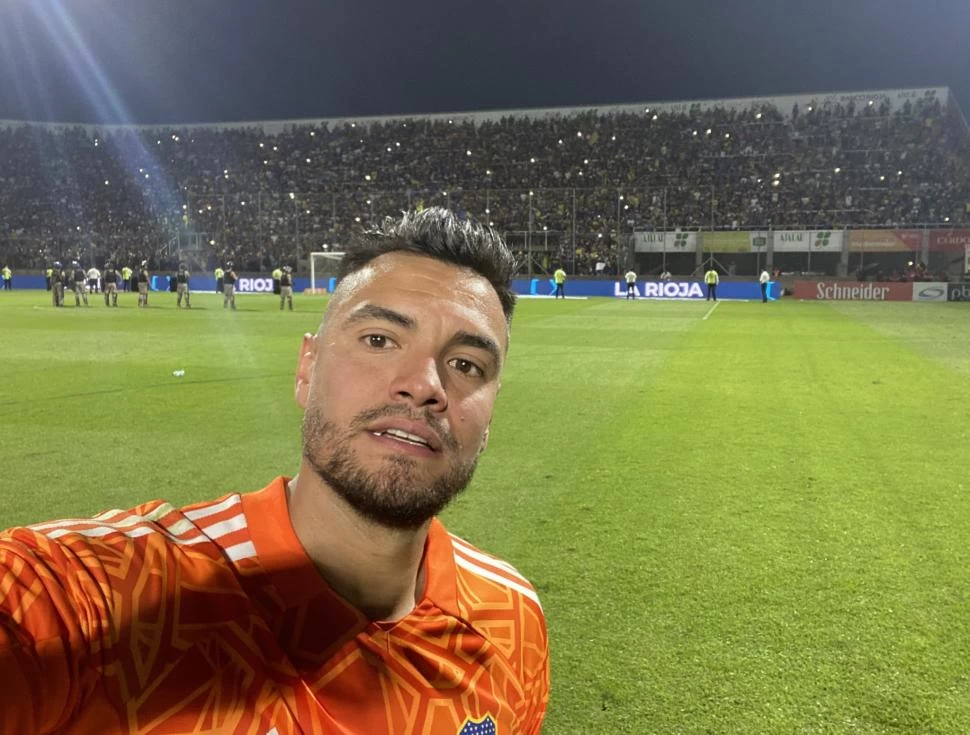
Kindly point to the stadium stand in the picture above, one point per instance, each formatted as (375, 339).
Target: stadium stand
(566, 186)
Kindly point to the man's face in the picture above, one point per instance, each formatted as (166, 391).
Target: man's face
(399, 384)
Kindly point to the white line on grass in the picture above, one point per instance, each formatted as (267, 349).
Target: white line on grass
(711, 310)
(544, 296)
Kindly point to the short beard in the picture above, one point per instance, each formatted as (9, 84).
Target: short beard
(393, 497)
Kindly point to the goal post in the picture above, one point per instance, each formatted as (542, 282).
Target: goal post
(324, 266)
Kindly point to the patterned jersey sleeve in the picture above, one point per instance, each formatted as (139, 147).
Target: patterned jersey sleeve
(75, 594)
(505, 607)
(52, 621)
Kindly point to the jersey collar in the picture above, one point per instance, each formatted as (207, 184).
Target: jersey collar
(293, 573)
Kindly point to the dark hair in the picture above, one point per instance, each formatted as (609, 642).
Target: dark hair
(438, 233)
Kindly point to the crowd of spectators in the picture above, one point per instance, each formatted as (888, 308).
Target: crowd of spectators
(562, 187)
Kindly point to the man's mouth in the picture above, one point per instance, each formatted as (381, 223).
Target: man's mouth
(405, 431)
(403, 436)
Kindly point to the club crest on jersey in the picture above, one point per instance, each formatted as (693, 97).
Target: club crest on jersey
(484, 726)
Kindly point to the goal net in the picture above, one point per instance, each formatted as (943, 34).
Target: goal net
(323, 271)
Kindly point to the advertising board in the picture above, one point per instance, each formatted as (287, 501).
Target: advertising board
(853, 291)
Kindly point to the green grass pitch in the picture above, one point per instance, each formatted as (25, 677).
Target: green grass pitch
(757, 522)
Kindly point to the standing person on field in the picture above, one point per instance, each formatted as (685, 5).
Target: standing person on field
(286, 287)
(631, 285)
(58, 279)
(711, 279)
(219, 273)
(49, 274)
(143, 279)
(7, 278)
(229, 287)
(764, 279)
(560, 278)
(110, 279)
(182, 286)
(94, 276)
(331, 602)
(277, 277)
(126, 274)
(80, 286)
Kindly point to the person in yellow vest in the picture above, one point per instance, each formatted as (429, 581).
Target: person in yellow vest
(49, 274)
(631, 284)
(711, 279)
(277, 275)
(7, 278)
(219, 276)
(560, 278)
(125, 277)
(286, 287)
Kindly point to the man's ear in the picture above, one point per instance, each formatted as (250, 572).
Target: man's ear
(488, 428)
(304, 369)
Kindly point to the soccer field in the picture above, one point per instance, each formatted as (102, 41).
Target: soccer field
(754, 519)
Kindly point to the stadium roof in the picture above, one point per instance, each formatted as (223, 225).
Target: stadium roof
(783, 103)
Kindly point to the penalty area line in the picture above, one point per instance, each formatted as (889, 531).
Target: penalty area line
(710, 311)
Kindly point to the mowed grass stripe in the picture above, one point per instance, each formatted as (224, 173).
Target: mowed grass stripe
(565, 405)
(934, 330)
(812, 579)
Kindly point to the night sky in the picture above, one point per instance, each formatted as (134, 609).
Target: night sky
(152, 61)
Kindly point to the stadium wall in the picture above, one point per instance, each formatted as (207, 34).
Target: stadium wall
(533, 287)
(804, 241)
(831, 290)
(815, 290)
(783, 103)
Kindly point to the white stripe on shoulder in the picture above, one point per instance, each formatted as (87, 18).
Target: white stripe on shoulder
(127, 519)
(245, 550)
(127, 530)
(181, 531)
(472, 553)
(129, 524)
(68, 522)
(211, 510)
(492, 576)
(108, 515)
(223, 528)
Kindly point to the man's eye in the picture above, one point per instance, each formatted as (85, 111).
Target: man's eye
(377, 341)
(467, 367)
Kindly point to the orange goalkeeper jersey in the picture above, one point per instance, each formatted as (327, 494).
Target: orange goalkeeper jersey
(213, 619)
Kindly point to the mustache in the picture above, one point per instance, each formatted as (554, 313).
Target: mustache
(426, 417)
